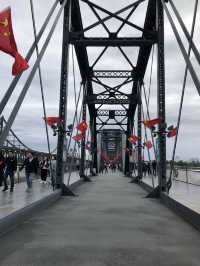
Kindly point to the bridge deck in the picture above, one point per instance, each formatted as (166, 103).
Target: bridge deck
(110, 223)
(20, 198)
(186, 194)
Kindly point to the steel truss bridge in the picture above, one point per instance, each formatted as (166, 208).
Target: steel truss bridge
(108, 104)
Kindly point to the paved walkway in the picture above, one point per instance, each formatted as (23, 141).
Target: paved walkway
(20, 198)
(109, 224)
(11, 202)
(186, 194)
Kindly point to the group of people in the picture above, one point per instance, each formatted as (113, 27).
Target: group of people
(149, 168)
(32, 165)
(112, 166)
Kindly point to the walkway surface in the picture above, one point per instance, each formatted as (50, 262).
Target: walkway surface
(110, 223)
(185, 193)
(20, 198)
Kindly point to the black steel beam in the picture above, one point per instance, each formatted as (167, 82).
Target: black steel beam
(139, 133)
(162, 179)
(63, 96)
(112, 73)
(94, 100)
(116, 112)
(125, 42)
(112, 124)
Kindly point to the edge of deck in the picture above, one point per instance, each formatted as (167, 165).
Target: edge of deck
(183, 211)
(14, 219)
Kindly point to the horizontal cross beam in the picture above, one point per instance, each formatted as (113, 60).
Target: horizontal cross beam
(133, 42)
(116, 112)
(112, 124)
(93, 99)
(112, 74)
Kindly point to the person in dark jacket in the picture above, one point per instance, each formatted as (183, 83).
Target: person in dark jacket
(154, 166)
(2, 168)
(44, 166)
(31, 166)
(11, 167)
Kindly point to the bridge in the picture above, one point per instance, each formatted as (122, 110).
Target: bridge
(113, 196)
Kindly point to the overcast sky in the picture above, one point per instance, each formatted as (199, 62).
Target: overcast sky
(29, 125)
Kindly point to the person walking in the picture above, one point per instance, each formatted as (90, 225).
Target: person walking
(31, 166)
(154, 166)
(44, 166)
(149, 168)
(11, 167)
(2, 168)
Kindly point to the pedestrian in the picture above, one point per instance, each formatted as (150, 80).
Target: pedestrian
(154, 166)
(149, 168)
(144, 168)
(11, 167)
(31, 166)
(2, 168)
(44, 166)
(105, 168)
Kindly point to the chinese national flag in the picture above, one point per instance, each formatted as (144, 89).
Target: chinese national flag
(82, 126)
(8, 44)
(172, 133)
(133, 139)
(52, 120)
(148, 144)
(152, 123)
(78, 137)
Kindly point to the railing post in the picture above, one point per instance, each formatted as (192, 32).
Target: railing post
(63, 95)
(161, 99)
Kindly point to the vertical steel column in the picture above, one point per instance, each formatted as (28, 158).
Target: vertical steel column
(127, 151)
(139, 132)
(82, 166)
(92, 144)
(95, 162)
(63, 95)
(1, 124)
(161, 98)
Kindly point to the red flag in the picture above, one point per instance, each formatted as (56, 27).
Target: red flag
(133, 139)
(78, 137)
(52, 120)
(152, 123)
(172, 133)
(82, 126)
(148, 144)
(8, 44)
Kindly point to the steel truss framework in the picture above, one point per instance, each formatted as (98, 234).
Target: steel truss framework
(93, 78)
(134, 76)
(74, 33)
